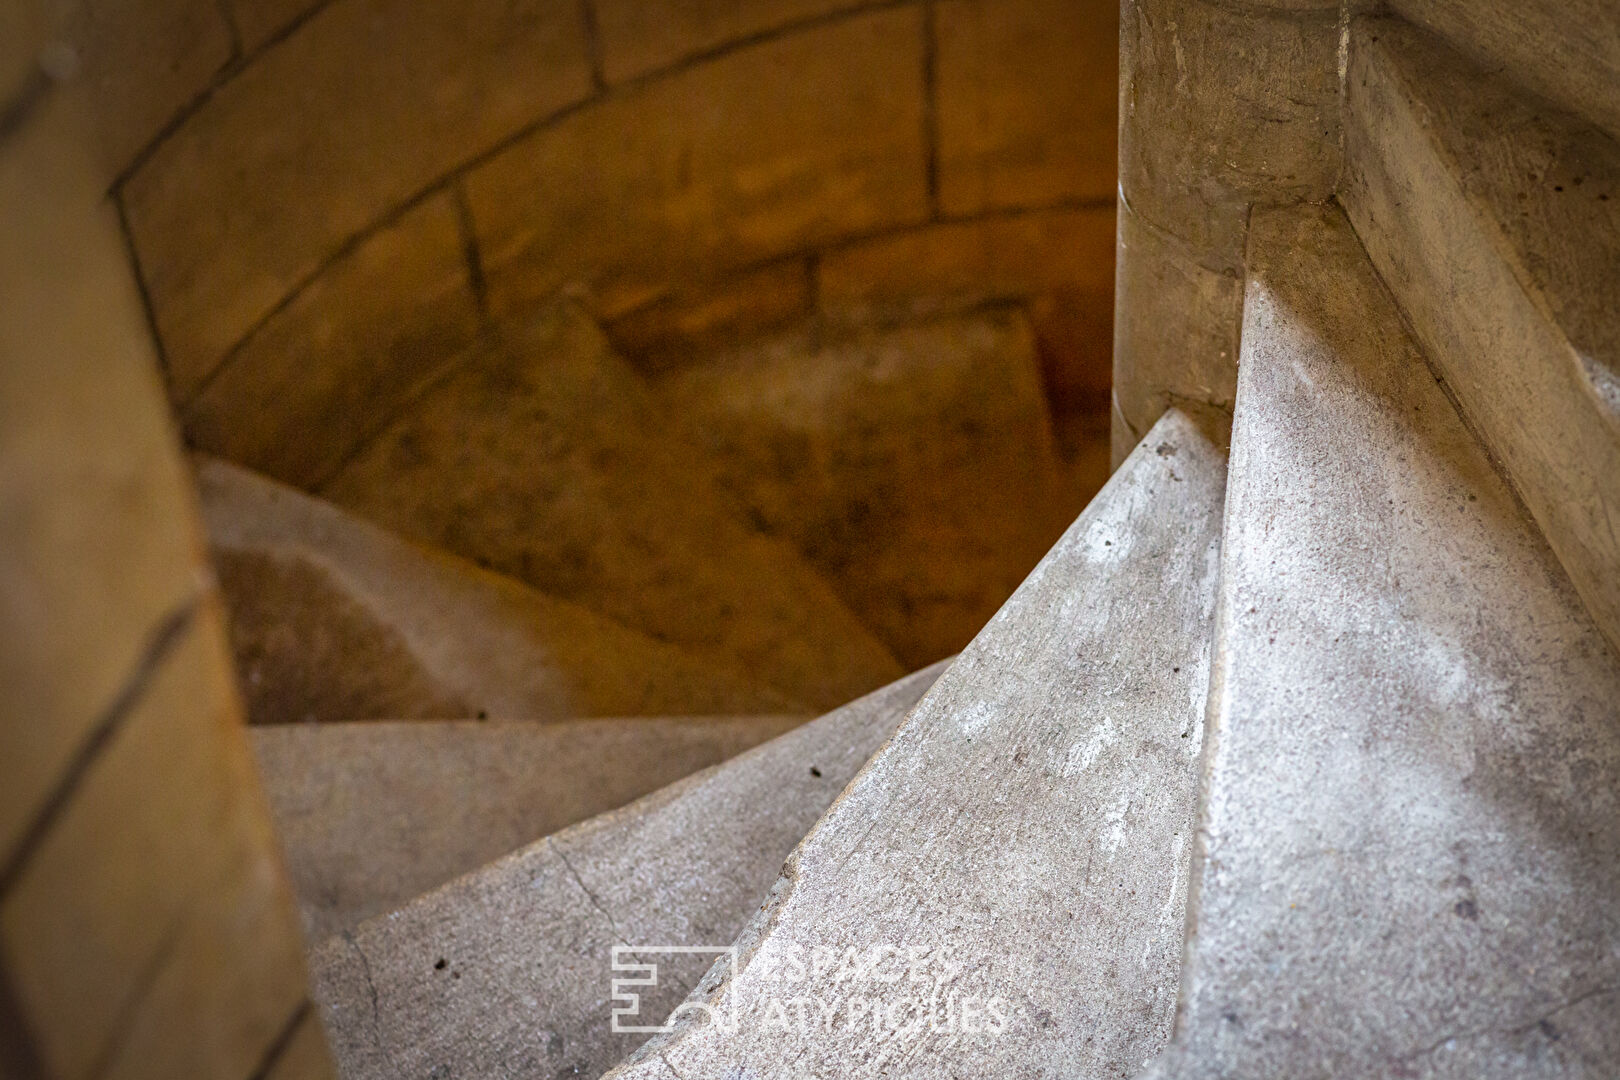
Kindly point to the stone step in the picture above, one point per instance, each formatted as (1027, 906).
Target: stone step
(544, 456)
(1410, 837)
(914, 467)
(373, 814)
(507, 971)
(1001, 891)
(1495, 219)
(333, 618)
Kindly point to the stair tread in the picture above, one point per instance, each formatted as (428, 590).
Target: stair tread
(1495, 219)
(1030, 823)
(334, 618)
(1410, 839)
(371, 814)
(526, 941)
(546, 457)
(914, 466)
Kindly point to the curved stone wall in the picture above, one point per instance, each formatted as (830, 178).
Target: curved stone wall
(327, 202)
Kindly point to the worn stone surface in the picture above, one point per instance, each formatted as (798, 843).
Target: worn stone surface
(1021, 841)
(311, 383)
(1222, 105)
(1176, 322)
(372, 815)
(1411, 830)
(1565, 50)
(509, 969)
(914, 468)
(687, 327)
(1026, 101)
(1059, 263)
(639, 36)
(724, 165)
(1497, 223)
(546, 458)
(333, 618)
(322, 136)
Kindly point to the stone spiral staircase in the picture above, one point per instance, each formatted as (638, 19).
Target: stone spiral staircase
(1297, 755)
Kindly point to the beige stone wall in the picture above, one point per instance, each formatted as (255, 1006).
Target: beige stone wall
(145, 926)
(324, 218)
(1223, 105)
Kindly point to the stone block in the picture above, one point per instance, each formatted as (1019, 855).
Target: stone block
(689, 326)
(1223, 105)
(1058, 263)
(323, 136)
(259, 21)
(510, 967)
(98, 519)
(1176, 327)
(1026, 102)
(371, 815)
(1496, 222)
(1565, 50)
(333, 618)
(1410, 837)
(156, 898)
(914, 468)
(640, 36)
(140, 65)
(546, 458)
(1020, 845)
(728, 164)
(322, 373)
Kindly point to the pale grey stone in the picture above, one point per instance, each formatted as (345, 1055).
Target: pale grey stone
(1023, 839)
(507, 971)
(1496, 222)
(1410, 832)
(333, 618)
(373, 814)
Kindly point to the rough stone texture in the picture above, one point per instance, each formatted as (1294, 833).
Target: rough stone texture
(140, 63)
(1176, 322)
(546, 458)
(1224, 104)
(1026, 831)
(1025, 101)
(336, 619)
(507, 971)
(311, 383)
(1060, 263)
(145, 928)
(324, 134)
(1497, 223)
(1411, 831)
(373, 815)
(639, 36)
(914, 468)
(690, 326)
(714, 168)
(1566, 50)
